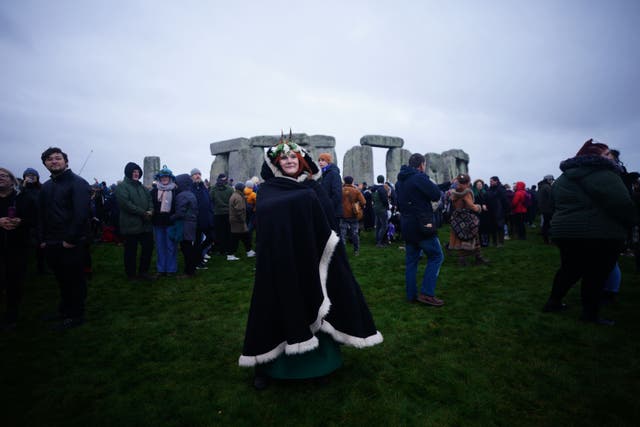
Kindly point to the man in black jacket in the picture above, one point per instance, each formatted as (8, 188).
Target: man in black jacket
(63, 221)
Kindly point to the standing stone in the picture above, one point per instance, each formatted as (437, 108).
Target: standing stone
(396, 157)
(446, 166)
(321, 144)
(382, 141)
(245, 163)
(435, 166)
(150, 168)
(219, 165)
(358, 163)
(224, 147)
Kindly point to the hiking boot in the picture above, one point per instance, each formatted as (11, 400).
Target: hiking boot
(430, 300)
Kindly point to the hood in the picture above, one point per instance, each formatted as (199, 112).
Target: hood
(183, 182)
(407, 171)
(581, 166)
(129, 168)
(269, 170)
(330, 167)
(520, 185)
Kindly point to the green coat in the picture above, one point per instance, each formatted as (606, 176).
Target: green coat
(220, 194)
(134, 200)
(591, 201)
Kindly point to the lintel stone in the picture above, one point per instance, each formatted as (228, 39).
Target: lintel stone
(382, 141)
(224, 147)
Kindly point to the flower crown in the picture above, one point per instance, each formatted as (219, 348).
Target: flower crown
(285, 146)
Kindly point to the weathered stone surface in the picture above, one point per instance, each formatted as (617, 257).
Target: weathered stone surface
(444, 167)
(150, 167)
(396, 157)
(271, 140)
(382, 141)
(245, 163)
(224, 147)
(314, 152)
(322, 141)
(219, 165)
(358, 163)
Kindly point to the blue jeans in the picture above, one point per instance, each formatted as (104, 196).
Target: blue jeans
(167, 258)
(381, 226)
(350, 225)
(435, 257)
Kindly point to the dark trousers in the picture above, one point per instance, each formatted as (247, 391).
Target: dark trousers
(222, 229)
(381, 226)
(191, 256)
(518, 225)
(245, 238)
(13, 267)
(590, 260)
(131, 242)
(68, 267)
(546, 226)
(201, 244)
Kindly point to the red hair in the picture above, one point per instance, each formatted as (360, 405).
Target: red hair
(302, 164)
(591, 148)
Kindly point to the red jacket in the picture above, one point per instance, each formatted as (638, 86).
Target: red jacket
(518, 204)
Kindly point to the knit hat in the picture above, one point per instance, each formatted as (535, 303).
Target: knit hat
(249, 184)
(222, 177)
(326, 157)
(165, 171)
(239, 186)
(30, 171)
(195, 171)
(548, 178)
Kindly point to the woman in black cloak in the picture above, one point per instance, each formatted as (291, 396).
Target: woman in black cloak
(305, 300)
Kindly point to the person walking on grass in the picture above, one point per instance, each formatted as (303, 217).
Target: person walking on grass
(593, 210)
(238, 222)
(415, 192)
(136, 209)
(63, 226)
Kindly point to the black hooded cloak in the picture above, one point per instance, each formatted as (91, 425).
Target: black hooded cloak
(303, 282)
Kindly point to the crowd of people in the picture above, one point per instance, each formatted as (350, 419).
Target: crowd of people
(305, 216)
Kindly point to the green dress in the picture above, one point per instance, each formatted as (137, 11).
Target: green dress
(325, 359)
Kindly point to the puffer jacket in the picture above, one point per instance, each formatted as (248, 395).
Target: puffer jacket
(544, 197)
(591, 201)
(186, 207)
(134, 201)
(518, 204)
(415, 192)
(332, 184)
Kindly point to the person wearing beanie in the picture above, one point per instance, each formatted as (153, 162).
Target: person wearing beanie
(301, 271)
(545, 206)
(593, 211)
(238, 223)
(204, 232)
(332, 184)
(220, 194)
(136, 210)
(63, 225)
(163, 196)
(350, 222)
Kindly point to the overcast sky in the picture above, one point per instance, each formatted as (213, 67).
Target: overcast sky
(518, 85)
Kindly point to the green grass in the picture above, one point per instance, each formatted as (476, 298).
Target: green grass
(165, 353)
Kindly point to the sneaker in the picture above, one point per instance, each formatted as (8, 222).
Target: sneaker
(207, 256)
(232, 258)
(430, 300)
(201, 267)
(251, 253)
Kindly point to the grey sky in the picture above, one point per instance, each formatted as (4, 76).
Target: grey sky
(518, 85)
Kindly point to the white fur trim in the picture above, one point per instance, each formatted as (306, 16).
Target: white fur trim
(323, 271)
(350, 340)
(302, 347)
(249, 361)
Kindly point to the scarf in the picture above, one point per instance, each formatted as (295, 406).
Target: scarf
(165, 196)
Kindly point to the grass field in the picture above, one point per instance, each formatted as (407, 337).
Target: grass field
(165, 353)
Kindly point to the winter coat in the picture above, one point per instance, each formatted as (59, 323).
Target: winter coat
(497, 203)
(205, 211)
(162, 219)
(415, 192)
(463, 199)
(238, 213)
(63, 209)
(25, 209)
(518, 203)
(134, 201)
(332, 184)
(186, 207)
(544, 197)
(350, 195)
(381, 202)
(220, 194)
(591, 201)
(250, 198)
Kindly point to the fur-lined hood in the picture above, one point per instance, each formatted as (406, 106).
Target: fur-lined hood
(579, 166)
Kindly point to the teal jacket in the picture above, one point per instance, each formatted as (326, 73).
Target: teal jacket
(590, 201)
(134, 200)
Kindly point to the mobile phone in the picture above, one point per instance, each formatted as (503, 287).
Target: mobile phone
(11, 211)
